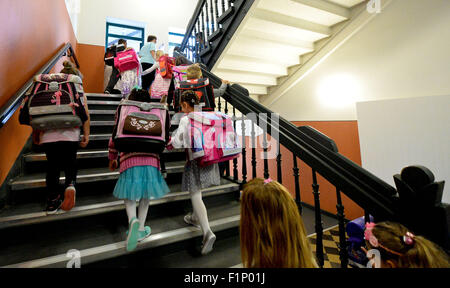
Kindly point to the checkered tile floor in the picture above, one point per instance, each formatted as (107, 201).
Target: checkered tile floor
(330, 246)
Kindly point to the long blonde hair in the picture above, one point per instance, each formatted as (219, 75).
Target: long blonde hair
(422, 253)
(272, 231)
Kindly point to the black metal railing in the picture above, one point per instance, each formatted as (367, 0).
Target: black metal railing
(318, 152)
(15, 101)
(206, 32)
(210, 30)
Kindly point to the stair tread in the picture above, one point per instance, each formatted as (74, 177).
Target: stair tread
(37, 180)
(111, 96)
(104, 102)
(105, 238)
(31, 213)
(83, 154)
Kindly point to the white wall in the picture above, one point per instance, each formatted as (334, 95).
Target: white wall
(73, 8)
(159, 16)
(402, 53)
(395, 134)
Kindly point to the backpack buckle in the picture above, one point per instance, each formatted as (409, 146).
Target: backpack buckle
(146, 106)
(53, 86)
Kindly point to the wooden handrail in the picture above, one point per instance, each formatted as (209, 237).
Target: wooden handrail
(14, 102)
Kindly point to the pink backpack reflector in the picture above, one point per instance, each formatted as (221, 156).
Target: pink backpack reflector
(126, 60)
(141, 127)
(214, 138)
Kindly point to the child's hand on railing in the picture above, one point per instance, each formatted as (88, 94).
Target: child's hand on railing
(226, 82)
(113, 165)
(169, 145)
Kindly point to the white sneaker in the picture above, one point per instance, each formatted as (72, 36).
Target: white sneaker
(208, 244)
(188, 220)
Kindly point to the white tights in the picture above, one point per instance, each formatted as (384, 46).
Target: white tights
(143, 210)
(200, 214)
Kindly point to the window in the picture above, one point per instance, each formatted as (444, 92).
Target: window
(134, 35)
(176, 37)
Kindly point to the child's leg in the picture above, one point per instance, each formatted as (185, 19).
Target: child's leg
(130, 205)
(70, 162)
(53, 170)
(143, 210)
(200, 214)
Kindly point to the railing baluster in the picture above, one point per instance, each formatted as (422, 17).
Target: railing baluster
(235, 160)
(227, 167)
(203, 31)
(366, 217)
(254, 163)
(197, 42)
(298, 199)
(266, 161)
(244, 152)
(211, 8)
(319, 224)
(207, 20)
(216, 7)
(279, 172)
(343, 256)
(223, 6)
(219, 105)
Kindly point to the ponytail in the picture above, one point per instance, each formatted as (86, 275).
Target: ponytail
(397, 244)
(190, 97)
(69, 68)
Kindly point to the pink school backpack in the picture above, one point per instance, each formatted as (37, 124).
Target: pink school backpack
(214, 139)
(126, 60)
(141, 127)
(160, 86)
(54, 101)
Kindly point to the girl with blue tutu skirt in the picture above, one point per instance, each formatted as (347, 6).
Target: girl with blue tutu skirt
(195, 178)
(140, 180)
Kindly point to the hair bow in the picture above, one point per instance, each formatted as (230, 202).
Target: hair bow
(409, 238)
(267, 181)
(368, 235)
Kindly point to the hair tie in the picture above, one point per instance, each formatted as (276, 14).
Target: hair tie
(368, 235)
(267, 181)
(408, 239)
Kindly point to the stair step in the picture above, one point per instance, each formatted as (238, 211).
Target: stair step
(99, 137)
(109, 103)
(84, 176)
(100, 242)
(93, 205)
(98, 95)
(112, 112)
(83, 154)
(225, 16)
(102, 112)
(102, 123)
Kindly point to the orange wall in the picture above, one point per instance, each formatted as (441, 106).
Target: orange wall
(346, 136)
(32, 32)
(91, 60)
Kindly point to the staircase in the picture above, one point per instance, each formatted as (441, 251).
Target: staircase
(97, 224)
(273, 40)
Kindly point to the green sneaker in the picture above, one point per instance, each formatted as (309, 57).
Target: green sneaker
(132, 238)
(144, 234)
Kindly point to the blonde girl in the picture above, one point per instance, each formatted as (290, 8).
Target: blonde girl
(272, 230)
